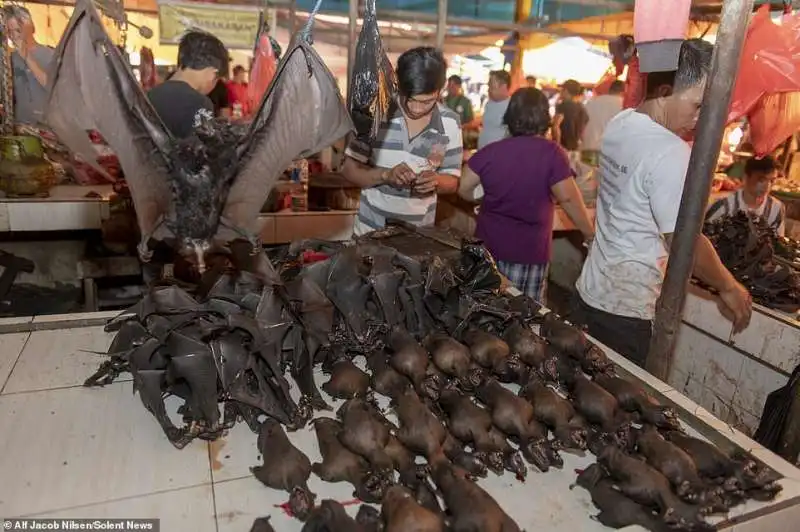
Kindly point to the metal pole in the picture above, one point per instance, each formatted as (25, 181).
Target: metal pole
(708, 139)
(293, 17)
(352, 28)
(441, 24)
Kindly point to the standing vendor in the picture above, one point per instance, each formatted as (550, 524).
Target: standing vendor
(30, 61)
(643, 164)
(494, 128)
(522, 176)
(415, 155)
(182, 101)
(754, 197)
(457, 101)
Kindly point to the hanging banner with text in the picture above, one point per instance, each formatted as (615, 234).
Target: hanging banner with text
(236, 26)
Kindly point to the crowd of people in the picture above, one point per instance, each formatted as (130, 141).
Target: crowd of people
(525, 165)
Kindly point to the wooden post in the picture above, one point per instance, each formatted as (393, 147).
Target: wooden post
(441, 25)
(352, 28)
(521, 13)
(697, 188)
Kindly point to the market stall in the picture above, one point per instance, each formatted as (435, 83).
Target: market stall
(47, 358)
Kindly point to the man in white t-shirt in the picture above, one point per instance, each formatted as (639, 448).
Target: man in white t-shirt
(643, 164)
(754, 197)
(494, 128)
(601, 109)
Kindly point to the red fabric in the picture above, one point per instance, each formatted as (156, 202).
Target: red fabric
(147, 69)
(262, 72)
(634, 85)
(238, 93)
(657, 20)
(603, 86)
(768, 81)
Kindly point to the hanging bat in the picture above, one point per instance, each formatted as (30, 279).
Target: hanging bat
(203, 192)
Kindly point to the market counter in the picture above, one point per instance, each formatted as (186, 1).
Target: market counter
(732, 374)
(49, 356)
(68, 208)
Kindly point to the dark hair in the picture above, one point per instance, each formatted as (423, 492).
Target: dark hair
(572, 87)
(501, 76)
(694, 65)
(530, 79)
(17, 12)
(764, 165)
(528, 113)
(421, 70)
(455, 79)
(238, 69)
(617, 87)
(199, 50)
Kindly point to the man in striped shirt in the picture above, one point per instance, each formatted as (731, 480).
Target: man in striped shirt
(416, 155)
(754, 196)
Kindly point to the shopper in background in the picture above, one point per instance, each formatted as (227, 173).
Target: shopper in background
(531, 81)
(570, 118)
(643, 165)
(457, 101)
(182, 102)
(237, 92)
(754, 197)
(219, 98)
(417, 153)
(494, 128)
(30, 61)
(601, 109)
(520, 176)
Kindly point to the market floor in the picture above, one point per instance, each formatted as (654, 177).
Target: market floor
(70, 451)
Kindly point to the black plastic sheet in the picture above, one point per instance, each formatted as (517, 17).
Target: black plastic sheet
(373, 84)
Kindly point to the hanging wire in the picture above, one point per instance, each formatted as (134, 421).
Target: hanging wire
(306, 31)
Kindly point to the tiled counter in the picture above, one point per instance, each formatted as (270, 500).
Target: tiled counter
(731, 374)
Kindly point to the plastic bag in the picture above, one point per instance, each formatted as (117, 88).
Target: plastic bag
(659, 28)
(263, 70)
(634, 85)
(147, 69)
(374, 84)
(768, 77)
(775, 417)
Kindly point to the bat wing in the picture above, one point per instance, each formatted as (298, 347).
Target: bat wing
(92, 88)
(302, 113)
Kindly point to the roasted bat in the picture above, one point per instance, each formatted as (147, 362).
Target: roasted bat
(205, 191)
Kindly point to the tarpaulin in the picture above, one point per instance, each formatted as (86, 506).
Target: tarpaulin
(659, 29)
(634, 85)
(147, 69)
(768, 80)
(263, 70)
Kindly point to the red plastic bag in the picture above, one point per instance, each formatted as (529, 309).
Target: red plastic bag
(634, 85)
(768, 80)
(263, 70)
(147, 69)
(603, 86)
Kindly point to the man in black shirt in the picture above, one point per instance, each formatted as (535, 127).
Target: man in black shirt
(571, 116)
(182, 102)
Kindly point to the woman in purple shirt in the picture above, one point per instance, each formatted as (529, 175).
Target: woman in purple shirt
(521, 177)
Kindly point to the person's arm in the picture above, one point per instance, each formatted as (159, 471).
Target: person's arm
(780, 223)
(36, 69)
(570, 199)
(737, 303)
(468, 183)
(717, 210)
(362, 175)
(664, 185)
(357, 170)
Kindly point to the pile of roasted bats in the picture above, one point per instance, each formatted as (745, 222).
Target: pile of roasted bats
(747, 247)
(472, 388)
